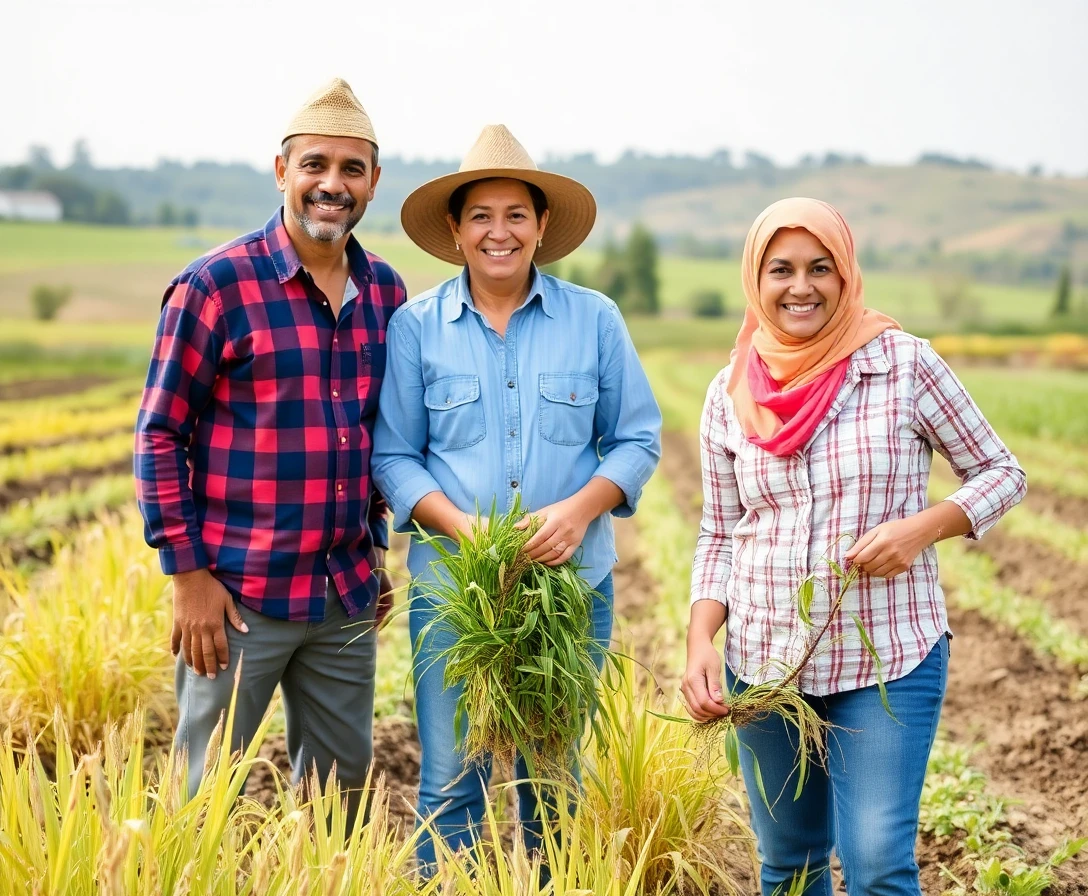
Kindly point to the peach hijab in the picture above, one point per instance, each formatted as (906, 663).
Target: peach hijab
(792, 363)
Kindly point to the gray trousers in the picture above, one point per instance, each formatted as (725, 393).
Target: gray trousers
(327, 685)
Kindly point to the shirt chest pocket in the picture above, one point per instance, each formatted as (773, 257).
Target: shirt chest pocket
(455, 412)
(568, 402)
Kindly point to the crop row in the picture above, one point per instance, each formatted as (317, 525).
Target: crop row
(36, 464)
(957, 805)
(35, 525)
(104, 397)
(975, 586)
(47, 426)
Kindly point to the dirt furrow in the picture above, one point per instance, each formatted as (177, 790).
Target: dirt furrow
(13, 492)
(1039, 572)
(23, 390)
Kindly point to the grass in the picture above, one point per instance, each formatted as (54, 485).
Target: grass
(48, 425)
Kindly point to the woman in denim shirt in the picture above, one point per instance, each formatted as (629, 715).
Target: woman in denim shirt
(503, 382)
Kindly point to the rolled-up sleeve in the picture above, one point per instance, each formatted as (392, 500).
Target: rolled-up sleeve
(628, 419)
(400, 435)
(948, 418)
(189, 344)
(722, 509)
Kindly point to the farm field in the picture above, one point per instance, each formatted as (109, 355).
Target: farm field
(87, 614)
(86, 617)
(118, 274)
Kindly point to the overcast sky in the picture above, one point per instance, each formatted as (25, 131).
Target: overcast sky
(144, 79)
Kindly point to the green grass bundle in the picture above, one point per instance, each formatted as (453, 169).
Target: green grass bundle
(524, 649)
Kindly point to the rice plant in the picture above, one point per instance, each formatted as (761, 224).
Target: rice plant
(684, 817)
(88, 638)
(524, 649)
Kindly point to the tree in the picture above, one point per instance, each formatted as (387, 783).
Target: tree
(1065, 293)
(708, 303)
(579, 275)
(641, 263)
(166, 215)
(40, 159)
(81, 156)
(46, 300)
(611, 276)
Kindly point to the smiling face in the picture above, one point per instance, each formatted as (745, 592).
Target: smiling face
(799, 285)
(326, 184)
(498, 230)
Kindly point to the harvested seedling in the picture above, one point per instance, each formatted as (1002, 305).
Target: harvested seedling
(523, 649)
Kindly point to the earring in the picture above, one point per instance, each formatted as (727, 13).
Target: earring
(456, 246)
(540, 242)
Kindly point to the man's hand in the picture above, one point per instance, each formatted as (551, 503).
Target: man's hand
(702, 683)
(200, 605)
(385, 585)
(890, 549)
(562, 527)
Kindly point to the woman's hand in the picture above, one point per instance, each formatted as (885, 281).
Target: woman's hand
(891, 548)
(702, 684)
(562, 527)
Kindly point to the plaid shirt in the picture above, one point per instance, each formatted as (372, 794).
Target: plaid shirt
(254, 435)
(769, 521)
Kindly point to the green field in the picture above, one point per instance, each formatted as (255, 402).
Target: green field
(118, 274)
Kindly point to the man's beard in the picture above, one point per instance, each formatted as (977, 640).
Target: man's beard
(323, 231)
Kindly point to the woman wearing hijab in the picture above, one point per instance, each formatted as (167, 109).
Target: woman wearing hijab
(824, 426)
(504, 382)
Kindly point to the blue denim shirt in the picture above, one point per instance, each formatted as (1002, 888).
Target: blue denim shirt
(560, 399)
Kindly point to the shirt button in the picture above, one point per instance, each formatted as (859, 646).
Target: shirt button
(514, 484)
(509, 384)
(572, 395)
(513, 433)
(334, 341)
(339, 486)
(335, 394)
(343, 439)
(326, 302)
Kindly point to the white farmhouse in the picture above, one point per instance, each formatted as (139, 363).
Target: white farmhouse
(29, 205)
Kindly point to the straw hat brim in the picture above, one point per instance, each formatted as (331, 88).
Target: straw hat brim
(571, 212)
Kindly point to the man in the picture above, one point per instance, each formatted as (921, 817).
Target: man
(253, 458)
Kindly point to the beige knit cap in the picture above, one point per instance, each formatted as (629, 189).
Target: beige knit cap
(334, 111)
(497, 153)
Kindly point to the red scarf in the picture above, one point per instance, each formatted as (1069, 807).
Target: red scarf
(800, 409)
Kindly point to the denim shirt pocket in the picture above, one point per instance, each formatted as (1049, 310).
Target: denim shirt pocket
(455, 412)
(568, 402)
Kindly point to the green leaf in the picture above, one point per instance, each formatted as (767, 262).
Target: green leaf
(758, 775)
(871, 649)
(732, 750)
(805, 595)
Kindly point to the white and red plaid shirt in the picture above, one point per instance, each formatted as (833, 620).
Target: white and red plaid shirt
(769, 521)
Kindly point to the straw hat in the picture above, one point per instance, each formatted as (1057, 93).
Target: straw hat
(334, 111)
(496, 153)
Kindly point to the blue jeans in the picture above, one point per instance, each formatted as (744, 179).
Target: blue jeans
(453, 799)
(865, 803)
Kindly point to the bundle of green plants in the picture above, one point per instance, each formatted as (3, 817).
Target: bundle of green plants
(749, 704)
(523, 647)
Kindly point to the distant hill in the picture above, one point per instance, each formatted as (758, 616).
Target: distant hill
(939, 212)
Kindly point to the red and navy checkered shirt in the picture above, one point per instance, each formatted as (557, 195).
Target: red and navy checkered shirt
(254, 435)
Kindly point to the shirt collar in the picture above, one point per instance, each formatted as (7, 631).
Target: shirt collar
(871, 358)
(287, 263)
(461, 297)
